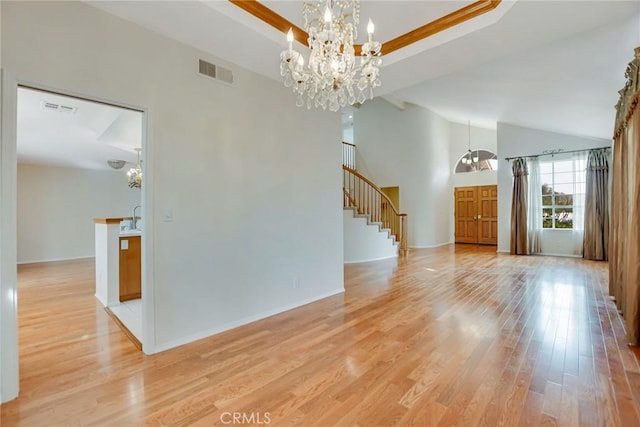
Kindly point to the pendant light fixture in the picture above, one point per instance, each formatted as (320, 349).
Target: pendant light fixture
(134, 174)
(469, 159)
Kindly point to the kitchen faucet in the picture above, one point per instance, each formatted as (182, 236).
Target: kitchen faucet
(134, 221)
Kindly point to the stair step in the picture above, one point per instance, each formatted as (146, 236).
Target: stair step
(378, 223)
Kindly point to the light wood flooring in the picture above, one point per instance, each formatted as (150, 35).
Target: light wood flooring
(448, 336)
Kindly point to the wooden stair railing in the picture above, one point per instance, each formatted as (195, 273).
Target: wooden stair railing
(367, 199)
(349, 155)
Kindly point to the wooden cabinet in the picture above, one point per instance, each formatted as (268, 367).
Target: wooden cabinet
(476, 215)
(130, 268)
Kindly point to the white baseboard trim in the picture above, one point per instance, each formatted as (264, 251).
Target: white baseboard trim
(104, 303)
(503, 251)
(431, 246)
(371, 260)
(240, 322)
(546, 254)
(55, 260)
(564, 255)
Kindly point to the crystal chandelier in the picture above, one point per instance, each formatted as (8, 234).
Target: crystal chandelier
(332, 78)
(134, 174)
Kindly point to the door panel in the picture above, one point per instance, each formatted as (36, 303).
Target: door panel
(465, 215)
(476, 214)
(488, 199)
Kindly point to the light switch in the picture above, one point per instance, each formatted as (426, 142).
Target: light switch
(167, 216)
(124, 244)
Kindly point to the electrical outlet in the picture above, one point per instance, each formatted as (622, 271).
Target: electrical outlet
(296, 282)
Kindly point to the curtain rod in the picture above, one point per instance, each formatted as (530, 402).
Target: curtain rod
(560, 152)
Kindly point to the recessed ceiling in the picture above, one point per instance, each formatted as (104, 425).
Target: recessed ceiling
(514, 64)
(390, 16)
(78, 133)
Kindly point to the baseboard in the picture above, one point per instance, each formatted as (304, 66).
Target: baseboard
(136, 343)
(371, 260)
(104, 303)
(545, 254)
(564, 255)
(244, 321)
(55, 260)
(431, 246)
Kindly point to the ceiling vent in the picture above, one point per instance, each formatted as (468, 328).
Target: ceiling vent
(58, 107)
(215, 71)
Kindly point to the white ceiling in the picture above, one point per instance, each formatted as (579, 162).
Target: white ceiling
(554, 65)
(84, 138)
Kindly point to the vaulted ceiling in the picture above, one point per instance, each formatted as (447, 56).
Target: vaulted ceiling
(70, 132)
(554, 65)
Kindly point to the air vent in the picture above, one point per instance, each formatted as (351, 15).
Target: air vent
(58, 107)
(215, 71)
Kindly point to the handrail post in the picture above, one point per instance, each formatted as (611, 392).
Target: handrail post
(403, 244)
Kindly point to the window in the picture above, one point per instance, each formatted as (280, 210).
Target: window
(563, 188)
(477, 160)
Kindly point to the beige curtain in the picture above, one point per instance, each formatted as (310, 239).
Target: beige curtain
(596, 209)
(632, 233)
(618, 223)
(519, 241)
(624, 242)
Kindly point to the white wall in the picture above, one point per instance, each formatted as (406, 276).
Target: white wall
(365, 242)
(347, 134)
(410, 149)
(481, 139)
(255, 196)
(514, 141)
(56, 207)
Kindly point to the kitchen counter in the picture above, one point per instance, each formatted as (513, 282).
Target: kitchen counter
(118, 261)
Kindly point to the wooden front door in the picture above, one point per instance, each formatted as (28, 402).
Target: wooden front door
(476, 214)
(466, 214)
(488, 215)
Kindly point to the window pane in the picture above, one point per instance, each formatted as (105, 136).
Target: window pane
(564, 217)
(564, 177)
(546, 177)
(564, 188)
(564, 199)
(563, 166)
(547, 188)
(547, 218)
(546, 201)
(546, 168)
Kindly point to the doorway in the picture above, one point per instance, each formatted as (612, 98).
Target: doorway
(476, 215)
(393, 193)
(74, 160)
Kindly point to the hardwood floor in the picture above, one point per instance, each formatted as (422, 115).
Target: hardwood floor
(448, 336)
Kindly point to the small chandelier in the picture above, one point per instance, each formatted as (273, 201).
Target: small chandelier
(469, 159)
(135, 174)
(332, 78)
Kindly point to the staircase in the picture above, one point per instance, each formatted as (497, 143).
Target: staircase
(373, 209)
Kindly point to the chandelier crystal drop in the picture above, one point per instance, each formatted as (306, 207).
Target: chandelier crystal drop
(332, 78)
